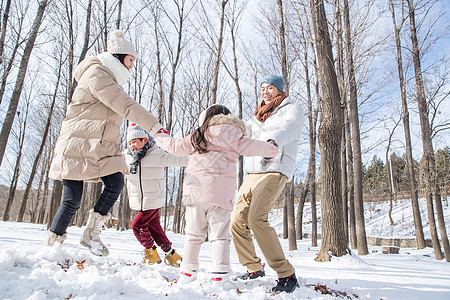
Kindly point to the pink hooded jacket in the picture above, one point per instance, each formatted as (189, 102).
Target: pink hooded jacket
(211, 176)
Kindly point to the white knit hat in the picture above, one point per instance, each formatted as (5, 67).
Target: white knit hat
(118, 44)
(135, 131)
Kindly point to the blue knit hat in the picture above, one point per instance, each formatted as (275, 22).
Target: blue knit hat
(275, 80)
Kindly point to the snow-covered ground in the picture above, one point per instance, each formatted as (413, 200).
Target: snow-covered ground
(30, 270)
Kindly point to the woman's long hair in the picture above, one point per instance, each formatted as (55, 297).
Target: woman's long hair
(120, 57)
(198, 138)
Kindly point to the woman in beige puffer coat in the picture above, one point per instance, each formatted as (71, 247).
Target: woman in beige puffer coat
(88, 146)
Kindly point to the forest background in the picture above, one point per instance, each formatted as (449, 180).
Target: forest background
(195, 53)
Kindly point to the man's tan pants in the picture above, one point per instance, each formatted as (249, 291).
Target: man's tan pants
(256, 198)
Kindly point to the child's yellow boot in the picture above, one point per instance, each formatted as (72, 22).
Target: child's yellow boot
(151, 256)
(172, 258)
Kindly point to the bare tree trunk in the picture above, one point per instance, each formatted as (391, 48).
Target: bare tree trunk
(347, 152)
(91, 197)
(343, 94)
(282, 33)
(446, 190)
(41, 148)
(71, 45)
(176, 210)
(124, 211)
(9, 66)
(357, 160)
(3, 30)
(310, 181)
(39, 201)
(285, 215)
(312, 188)
(218, 54)
(155, 11)
(166, 197)
(301, 205)
(85, 48)
(330, 131)
(350, 182)
(15, 97)
(15, 179)
(420, 239)
(291, 220)
(105, 25)
(289, 196)
(41, 217)
(177, 214)
(180, 30)
(119, 14)
(431, 178)
(389, 173)
(183, 219)
(344, 191)
(17, 44)
(430, 214)
(313, 158)
(232, 22)
(13, 186)
(120, 219)
(391, 187)
(126, 214)
(312, 141)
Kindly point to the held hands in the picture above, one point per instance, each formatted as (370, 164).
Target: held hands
(162, 130)
(272, 142)
(267, 161)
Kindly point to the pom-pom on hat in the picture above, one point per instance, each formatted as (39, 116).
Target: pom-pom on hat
(118, 44)
(275, 80)
(135, 131)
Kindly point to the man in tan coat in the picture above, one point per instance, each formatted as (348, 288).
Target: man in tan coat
(88, 146)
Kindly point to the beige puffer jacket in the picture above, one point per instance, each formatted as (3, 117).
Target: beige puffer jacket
(88, 145)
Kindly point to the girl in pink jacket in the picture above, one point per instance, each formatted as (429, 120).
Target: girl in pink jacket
(210, 185)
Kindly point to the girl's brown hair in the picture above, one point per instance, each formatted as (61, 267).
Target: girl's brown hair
(198, 137)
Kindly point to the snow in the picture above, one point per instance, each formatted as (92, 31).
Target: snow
(31, 270)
